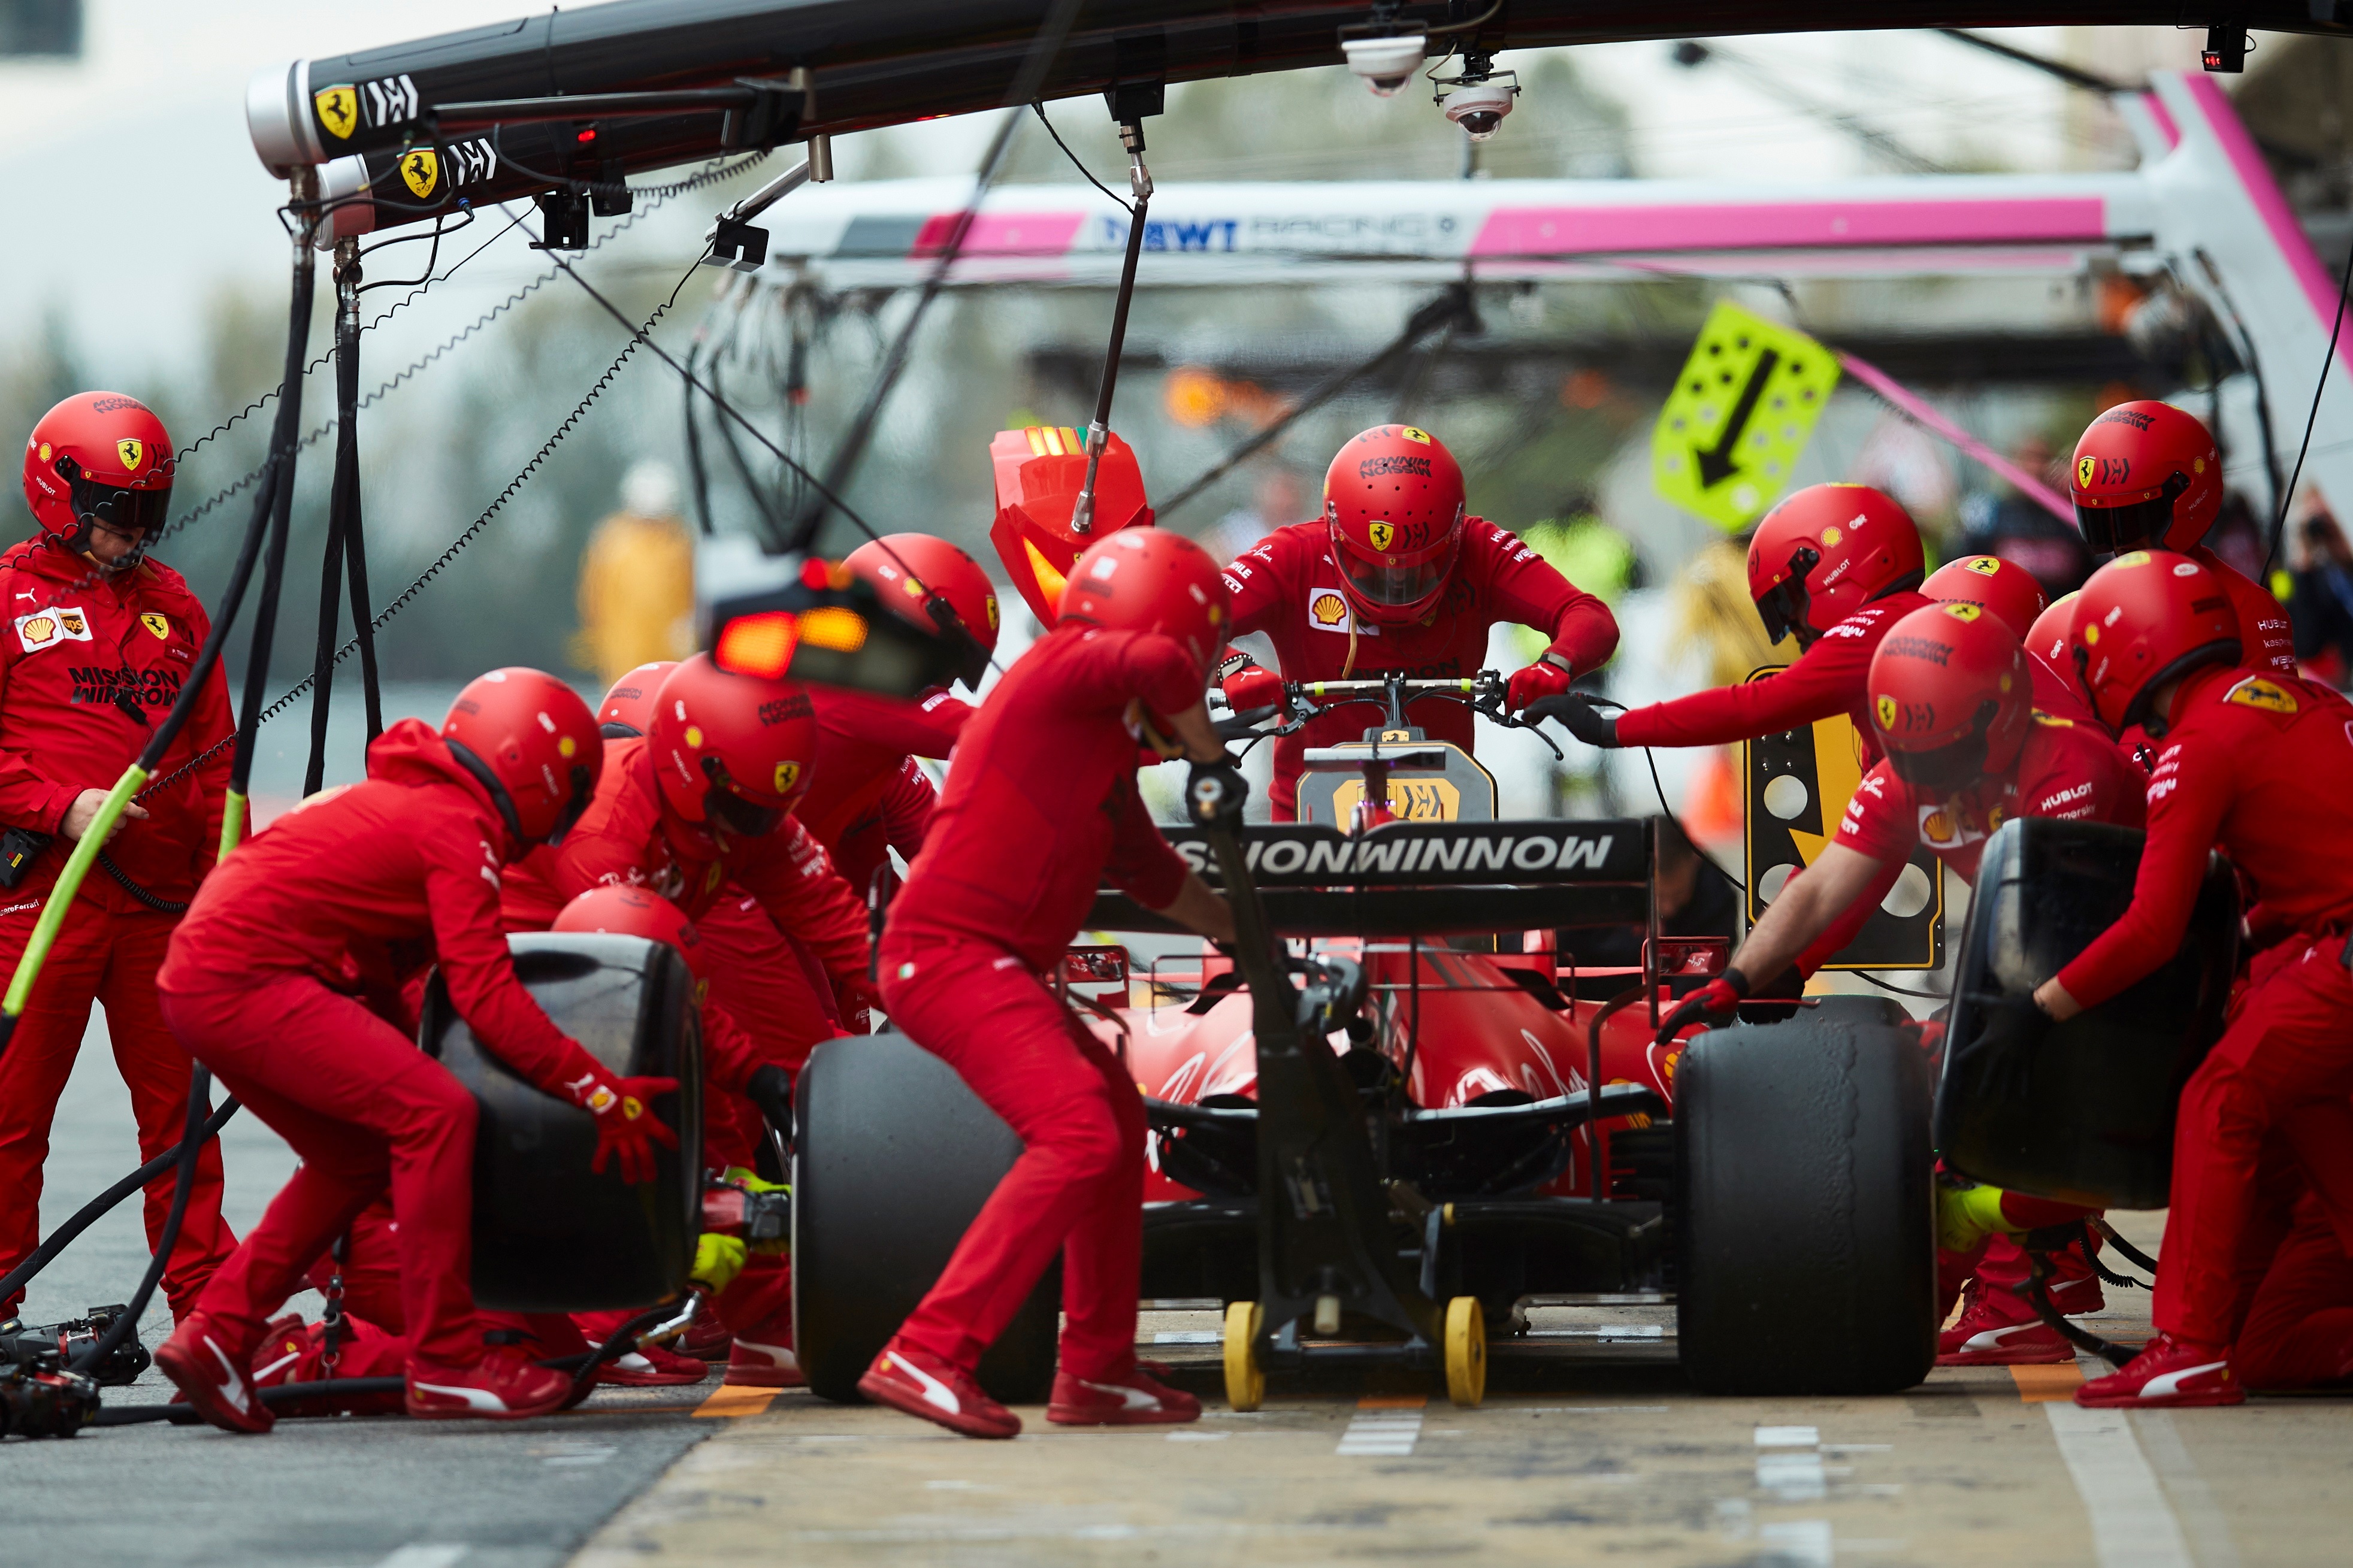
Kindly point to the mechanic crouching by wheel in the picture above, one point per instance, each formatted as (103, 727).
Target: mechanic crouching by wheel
(1966, 750)
(287, 979)
(1040, 806)
(2259, 766)
(700, 812)
(1394, 576)
(101, 641)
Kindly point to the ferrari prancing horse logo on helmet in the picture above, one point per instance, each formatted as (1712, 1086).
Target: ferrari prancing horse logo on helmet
(2085, 468)
(1887, 712)
(132, 453)
(1381, 533)
(788, 776)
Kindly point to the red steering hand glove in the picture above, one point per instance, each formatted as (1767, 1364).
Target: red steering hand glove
(627, 1127)
(1252, 686)
(1541, 679)
(1719, 998)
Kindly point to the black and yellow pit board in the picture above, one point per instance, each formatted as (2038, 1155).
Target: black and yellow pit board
(1461, 792)
(1796, 786)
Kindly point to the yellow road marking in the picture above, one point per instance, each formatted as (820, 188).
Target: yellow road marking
(2042, 1384)
(727, 1401)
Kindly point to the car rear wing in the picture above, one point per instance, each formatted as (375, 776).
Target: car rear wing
(1428, 878)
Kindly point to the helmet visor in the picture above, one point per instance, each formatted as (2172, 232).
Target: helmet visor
(1949, 769)
(1396, 586)
(123, 510)
(740, 816)
(1783, 606)
(2134, 526)
(584, 790)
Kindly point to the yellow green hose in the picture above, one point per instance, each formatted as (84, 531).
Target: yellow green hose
(61, 897)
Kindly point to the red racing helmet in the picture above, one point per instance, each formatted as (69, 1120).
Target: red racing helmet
(629, 706)
(2147, 476)
(1150, 580)
(920, 576)
(1990, 583)
(1951, 697)
(634, 912)
(2048, 639)
(1393, 500)
(731, 749)
(2145, 618)
(102, 456)
(1826, 551)
(535, 746)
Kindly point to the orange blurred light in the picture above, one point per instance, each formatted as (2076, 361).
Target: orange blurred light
(761, 645)
(1585, 389)
(831, 627)
(1194, 397)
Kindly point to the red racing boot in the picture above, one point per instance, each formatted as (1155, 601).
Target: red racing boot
(1139, 1399)
(706, 1340)
(215, 1374)
(502, 1387)
(1998, 1328)
(655, 1367)
(921, 1383)
(763, 1355)
(2168, 1373)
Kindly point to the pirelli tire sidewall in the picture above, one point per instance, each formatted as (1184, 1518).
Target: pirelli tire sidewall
(893, 1158)
(1805, 1230)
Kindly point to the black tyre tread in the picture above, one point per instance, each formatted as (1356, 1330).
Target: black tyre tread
(1804, 1241)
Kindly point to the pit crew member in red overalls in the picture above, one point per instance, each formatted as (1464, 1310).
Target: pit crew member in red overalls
(1834, 566)
(99, 640)
(1394, 576)
(700, 812)
(1967, 748)
(2259, 765)
(287, 979)
(1040, 806)
(2149, 477)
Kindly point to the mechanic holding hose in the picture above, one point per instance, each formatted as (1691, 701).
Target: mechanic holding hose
(2259, 765)
(700, 811)
(101, 640)
(1394, 577)
(289, 979)
(1041, 808)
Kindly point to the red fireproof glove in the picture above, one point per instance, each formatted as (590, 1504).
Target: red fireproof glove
(1719, 998)
(1539, 680)
(627, 1128)
(1252, 686)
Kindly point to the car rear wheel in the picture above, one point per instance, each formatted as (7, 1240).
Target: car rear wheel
(1805, 1236)
(893, 1158)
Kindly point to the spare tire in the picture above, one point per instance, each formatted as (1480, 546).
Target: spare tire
(893, 1158)
(550, 1235)
(1805, 1236)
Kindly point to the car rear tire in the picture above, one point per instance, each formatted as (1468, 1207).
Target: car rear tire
(893, 1158)
(1805, 1233)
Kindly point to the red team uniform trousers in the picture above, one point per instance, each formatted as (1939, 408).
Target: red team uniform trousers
(1039, 809)
(87, 666)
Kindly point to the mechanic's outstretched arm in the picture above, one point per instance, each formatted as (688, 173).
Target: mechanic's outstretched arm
(1197, 907)
(1808, 906)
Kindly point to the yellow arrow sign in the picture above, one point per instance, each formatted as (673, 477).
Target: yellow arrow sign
(1838, 770)
(1743, 408)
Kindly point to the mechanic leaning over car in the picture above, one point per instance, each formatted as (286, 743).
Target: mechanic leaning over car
(700, 811)
(2259, 765)
(290, 978)
(1041, 808)
(1834, 565)
(2148, 476)
(102, 639)
(1394, 576)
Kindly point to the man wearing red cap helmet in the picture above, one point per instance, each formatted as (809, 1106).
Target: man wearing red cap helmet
(291, 977)
(2013, 593)
(1968, 746)
(1833, 565)
(2148, 476)
(2258, 766)
(98, 639)
(1394, 577)
(1041, 808)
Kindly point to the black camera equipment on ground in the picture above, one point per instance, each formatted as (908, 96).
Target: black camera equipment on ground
(549, 1235)
(2080, 1112)
(23, 1344)
(39, 1399)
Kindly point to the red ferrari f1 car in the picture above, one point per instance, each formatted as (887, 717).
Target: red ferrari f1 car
(1401, 1107)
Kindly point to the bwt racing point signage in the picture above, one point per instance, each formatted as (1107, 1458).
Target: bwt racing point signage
(1797, 783)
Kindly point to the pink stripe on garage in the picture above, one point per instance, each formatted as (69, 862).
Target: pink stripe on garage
(2288, 235)
(2164, 118)
(1001, 234)
(1554, 231)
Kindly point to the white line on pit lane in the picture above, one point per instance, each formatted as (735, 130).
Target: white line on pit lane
(2132, 1524)
(423, 1554)
(1381, 1433)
